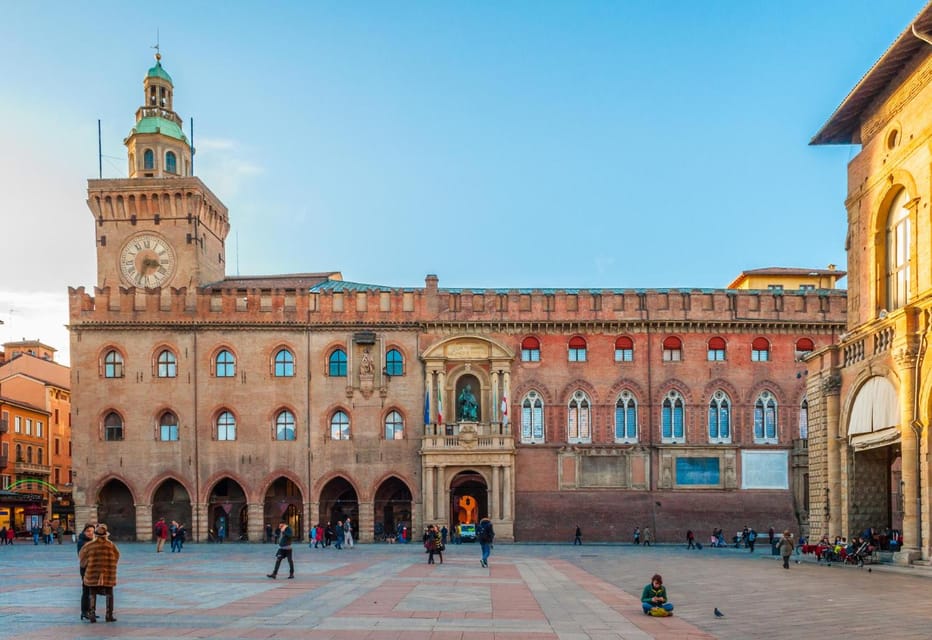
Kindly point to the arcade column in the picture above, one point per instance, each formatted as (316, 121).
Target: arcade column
(144, 524)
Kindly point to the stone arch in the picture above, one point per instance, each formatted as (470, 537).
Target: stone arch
(532, 385)
(496, 349)
(338, 499)
(116, 507)
(227, 512)
(283, 500)
(673, 384)
(393, 504)
(720, 383)
(171, 499)
(579, 384)
(640, 395)
(469, 500)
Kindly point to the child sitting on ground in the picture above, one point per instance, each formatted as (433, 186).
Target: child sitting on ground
(654, 598)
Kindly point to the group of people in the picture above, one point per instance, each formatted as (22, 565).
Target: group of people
(47, 533)
(320, 536)
(435, 541)
(176, 532)
(97, 560)
(7, 535)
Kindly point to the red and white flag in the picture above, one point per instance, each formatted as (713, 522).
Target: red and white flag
(439, 406)
(504, 410)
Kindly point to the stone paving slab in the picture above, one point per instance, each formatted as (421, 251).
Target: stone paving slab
(533, 592)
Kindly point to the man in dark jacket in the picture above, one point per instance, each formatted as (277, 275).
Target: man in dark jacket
(486, 535)
(83, 538)
(99, 558)
(285, 534)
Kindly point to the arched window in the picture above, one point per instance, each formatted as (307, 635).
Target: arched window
(148, 159)
(29, 455)
(577, 349)
(113, 364)
(578, 427)
(113, 426)
(532, 418)
(340, 426)
(530, 349)
(284, 425)
(394, 426)
(626, 418)
(804, 419)
(672, 349)
(624, 349)
(168, 427)
(765, 418)
(804, 346)
(337, 364)
(284, 364)
(672, 418)
(225, 364)
(719, 418)
(171, 162)
(716, 349)
(394, 363)
(39, 456)
(19, 453)
(898, 251)
(167, 364)
(760, 350)
(226, 426)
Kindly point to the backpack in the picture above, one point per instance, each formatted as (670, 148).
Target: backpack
(485, 533)
(752, 536)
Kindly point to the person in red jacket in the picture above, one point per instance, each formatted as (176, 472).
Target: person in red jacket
(161, 534)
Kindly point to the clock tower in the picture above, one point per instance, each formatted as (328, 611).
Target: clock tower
(161, 226)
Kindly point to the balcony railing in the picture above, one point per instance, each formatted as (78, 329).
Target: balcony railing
(469, 436)
(32, 469)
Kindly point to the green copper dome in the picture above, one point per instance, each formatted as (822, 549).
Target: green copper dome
(158, 72)
(159, 125)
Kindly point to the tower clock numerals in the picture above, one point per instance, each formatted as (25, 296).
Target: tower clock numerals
(147, 260)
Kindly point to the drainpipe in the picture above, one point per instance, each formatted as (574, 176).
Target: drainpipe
(916, 426)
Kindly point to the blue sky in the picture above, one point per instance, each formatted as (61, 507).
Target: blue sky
(496, 144)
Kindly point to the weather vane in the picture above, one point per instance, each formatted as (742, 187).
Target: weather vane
(158, 53)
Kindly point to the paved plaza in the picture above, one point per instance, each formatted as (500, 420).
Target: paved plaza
(382, 592)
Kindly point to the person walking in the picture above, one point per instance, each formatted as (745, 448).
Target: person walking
(786, 548)
(161, 535)
(181, 535)
(690, 539)
(312, 537)
(486, 536)
(339, 536)
(285, 534)
(637, 536)
(348, 530)
(752, 538)
(443, 535)
(432, 544)
(319, 539)
(577, 537)
(648, 536)
(99, 559)
(86, 535)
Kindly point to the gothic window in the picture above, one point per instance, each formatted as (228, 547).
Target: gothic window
(672, 349)
(113, 426)
(577, 349)
(765, 418)
(624, 349)
(337, 364)
(284, 364)
(148, 159)
(672, 420)
(719, 418)
(340, 426)
(394, 363)
(578, 427)
(898, 251)
(532, 418)
(284, 425)
(716, 350)
(394, 426)
(113, 364)
(626, 418)
(171, 162)
(225, 364)
(166, 364)
(760, 350)
(530, 349)
(168, 427)
(226, 426)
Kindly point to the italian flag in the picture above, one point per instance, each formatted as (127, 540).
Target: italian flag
(504, 410)
(439, 406)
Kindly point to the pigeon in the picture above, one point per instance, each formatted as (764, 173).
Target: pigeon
(719, 614)
(868, 569)
(796, 561)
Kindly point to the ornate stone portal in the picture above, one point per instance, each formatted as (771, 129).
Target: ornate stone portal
(468, 377)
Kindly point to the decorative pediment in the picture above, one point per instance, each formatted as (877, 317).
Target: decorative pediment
(464, 348)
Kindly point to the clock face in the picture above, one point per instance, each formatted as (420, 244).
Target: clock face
(147, 260)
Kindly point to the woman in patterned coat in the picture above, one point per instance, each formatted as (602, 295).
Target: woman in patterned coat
(99, 559)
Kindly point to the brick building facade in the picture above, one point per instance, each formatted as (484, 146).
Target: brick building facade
(233, 402)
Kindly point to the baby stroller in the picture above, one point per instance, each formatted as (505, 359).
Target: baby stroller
(860, 555)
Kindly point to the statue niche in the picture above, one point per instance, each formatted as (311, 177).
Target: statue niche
(467, 403)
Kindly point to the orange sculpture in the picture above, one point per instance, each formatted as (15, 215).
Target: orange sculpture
(468, 507)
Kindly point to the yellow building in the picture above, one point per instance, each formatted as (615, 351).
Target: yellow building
(870, 395)
(787, 279)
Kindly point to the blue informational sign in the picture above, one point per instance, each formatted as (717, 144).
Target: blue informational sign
(697, 471)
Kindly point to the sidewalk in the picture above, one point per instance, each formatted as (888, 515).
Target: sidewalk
(388, 592)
